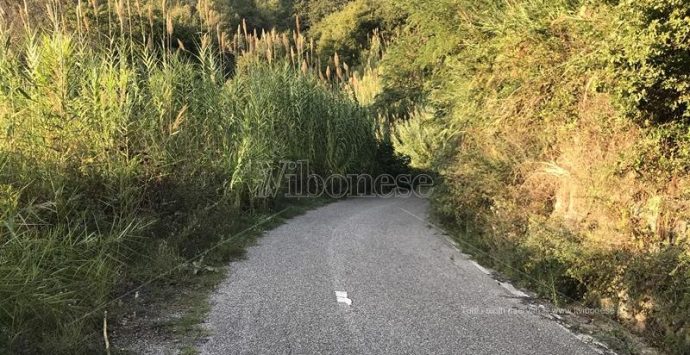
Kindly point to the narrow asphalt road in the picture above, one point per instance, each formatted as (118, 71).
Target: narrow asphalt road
(401, 289)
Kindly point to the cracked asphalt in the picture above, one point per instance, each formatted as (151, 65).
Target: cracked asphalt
(411, 292)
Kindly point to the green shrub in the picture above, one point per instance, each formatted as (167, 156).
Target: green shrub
(651, 55)
(347, 31)
(561, 140)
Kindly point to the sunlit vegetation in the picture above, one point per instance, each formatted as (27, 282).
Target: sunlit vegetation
(558, 131)
(126, 153)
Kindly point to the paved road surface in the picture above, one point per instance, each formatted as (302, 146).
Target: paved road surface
(411, 292)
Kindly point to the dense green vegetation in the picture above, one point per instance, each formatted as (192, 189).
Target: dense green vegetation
(121, 162)
(558, 129)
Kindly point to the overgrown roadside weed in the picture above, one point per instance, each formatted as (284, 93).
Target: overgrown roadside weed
(168, 315)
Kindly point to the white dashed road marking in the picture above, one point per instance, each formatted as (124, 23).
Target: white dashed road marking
(342, 297)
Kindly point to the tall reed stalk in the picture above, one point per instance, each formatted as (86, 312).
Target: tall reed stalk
(112, 148)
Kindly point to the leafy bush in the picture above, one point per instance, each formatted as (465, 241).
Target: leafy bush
(651, 53)
(347, 31)
(561, 138)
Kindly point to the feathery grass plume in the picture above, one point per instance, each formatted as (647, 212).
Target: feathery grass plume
(109, 157)
(169, 25)
(338, 70)
(120, 12)
(298, 25)
(140, 9)
(150, 16)
(79, 14)
(220, 38)
(286, 42)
